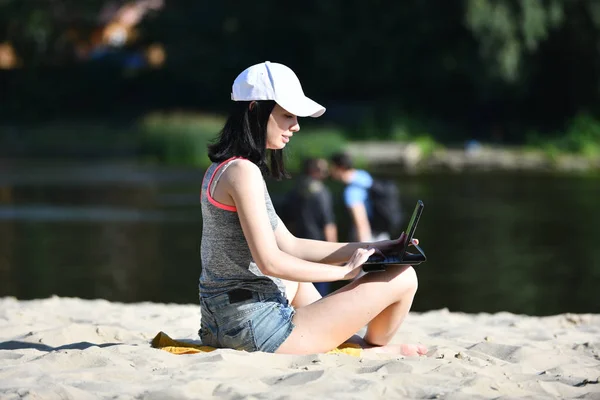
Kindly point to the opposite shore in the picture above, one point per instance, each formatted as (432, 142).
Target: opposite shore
(411, 156)
(169, 141)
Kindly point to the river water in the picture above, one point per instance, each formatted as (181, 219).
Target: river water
(515, 242)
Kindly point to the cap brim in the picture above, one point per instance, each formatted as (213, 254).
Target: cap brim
(303, 107)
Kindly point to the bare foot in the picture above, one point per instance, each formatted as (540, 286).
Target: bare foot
(409, 350)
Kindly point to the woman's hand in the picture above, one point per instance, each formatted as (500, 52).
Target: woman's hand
(356, 261)
(387, 246)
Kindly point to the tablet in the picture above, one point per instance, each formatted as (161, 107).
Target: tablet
(378, 262)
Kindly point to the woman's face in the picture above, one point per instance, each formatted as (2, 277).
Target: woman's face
(280, 128)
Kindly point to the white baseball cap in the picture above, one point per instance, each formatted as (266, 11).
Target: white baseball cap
(273, 81)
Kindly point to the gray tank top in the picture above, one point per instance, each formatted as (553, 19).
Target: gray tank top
(226, 259)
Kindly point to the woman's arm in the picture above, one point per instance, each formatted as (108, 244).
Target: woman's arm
(327, 252)
(314, 250)
(244, 184)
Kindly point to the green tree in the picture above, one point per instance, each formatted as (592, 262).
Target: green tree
(506, 30)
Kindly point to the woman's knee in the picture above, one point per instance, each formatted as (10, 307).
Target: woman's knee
(406, 280)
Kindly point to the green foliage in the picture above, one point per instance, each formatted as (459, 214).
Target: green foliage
(427, 144)
(581, 137)
(466, 67)
(39, 29)
(313, 143)
(534, 142)
(507, 30)
(181, 139)
(74, 138)
(178, 138)
(407, 129)
(411, 130)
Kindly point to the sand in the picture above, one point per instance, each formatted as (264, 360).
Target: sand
(68, 348)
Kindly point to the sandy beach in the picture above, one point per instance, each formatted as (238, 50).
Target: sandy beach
(68, 348)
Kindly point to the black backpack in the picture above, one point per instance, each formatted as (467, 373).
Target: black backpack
(386, 209)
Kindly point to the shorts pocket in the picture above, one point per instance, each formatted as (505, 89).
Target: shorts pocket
(207, 337)
(240, 337)
(208, 331)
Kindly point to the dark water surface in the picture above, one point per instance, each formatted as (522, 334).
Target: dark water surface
(514, 242)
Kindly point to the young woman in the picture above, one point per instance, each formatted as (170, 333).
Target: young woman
(256, 291)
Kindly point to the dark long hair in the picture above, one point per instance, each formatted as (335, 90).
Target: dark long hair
(245, 135)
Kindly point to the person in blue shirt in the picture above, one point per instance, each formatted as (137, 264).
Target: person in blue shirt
(356, 197)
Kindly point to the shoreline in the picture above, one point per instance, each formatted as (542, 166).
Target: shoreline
(411, 157)
(72, 348)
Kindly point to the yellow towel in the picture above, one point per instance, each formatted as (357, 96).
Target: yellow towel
(164, 342)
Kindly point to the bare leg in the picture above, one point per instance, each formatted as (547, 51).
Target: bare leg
(291, 288)
(384, 326)
(301, 294)
(307, 294)
(381, 329)
(381, 300)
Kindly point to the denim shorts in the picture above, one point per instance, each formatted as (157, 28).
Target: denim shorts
(250, 322)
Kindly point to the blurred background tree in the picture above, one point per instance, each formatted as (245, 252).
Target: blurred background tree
(490, 70)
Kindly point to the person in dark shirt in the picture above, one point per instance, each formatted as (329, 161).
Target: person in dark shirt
(310, 208)
(312, 203)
